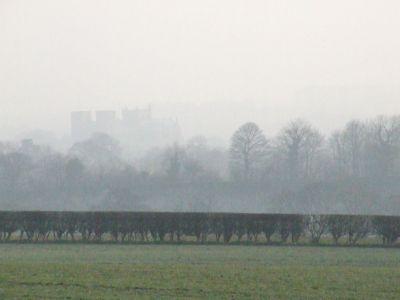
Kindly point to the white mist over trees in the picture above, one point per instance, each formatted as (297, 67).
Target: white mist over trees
(353, 170)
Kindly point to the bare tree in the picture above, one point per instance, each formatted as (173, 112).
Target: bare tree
(248, 150)
(348, 149)
(99, 151)
(384, 145)
(299, 142)
(209, 158)
(338, 152)
(174, 159)
(354, 137)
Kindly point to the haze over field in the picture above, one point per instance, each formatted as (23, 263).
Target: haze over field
(211, 64)
(140, 138)
(267, 106)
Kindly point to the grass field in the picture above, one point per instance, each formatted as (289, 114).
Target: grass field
(78, 271)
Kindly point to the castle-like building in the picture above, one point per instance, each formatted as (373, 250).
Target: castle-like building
(135, 127)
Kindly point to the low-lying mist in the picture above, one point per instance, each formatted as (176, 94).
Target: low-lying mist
(355, 170)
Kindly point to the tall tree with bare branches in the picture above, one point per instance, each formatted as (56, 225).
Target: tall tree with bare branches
(248, 151)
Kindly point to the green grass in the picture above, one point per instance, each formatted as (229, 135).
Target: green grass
(111, 271)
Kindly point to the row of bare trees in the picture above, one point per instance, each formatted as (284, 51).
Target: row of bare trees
(361, 149)
(354, 170)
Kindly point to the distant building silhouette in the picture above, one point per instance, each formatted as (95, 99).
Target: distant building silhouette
(134, 127)
(82, 125)
(106, 121)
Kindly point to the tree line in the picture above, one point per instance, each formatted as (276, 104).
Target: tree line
(180, 227)
(354, 170)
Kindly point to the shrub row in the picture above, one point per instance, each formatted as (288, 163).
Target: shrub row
(129, 226)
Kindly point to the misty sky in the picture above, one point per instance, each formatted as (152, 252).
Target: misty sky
(213, 64)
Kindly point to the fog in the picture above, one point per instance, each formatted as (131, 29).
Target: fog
(275, 60)
(313, 79)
